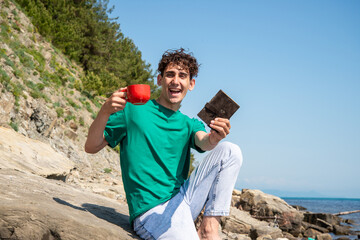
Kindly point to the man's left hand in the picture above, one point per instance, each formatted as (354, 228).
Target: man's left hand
(220, 129)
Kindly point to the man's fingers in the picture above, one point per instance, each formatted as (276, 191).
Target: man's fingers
(224, 120)
(119, 94)
(219, 130)
(124, 89)
(224, 125)
(118, 100)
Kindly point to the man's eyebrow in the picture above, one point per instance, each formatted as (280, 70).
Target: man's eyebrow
(180, 72)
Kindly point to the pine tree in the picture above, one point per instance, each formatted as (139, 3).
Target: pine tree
(82, 30)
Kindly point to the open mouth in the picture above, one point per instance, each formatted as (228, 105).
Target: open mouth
(174, 92)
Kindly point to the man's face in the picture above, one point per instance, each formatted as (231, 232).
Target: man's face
(175, 83)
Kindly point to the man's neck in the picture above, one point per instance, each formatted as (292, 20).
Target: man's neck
(172, 106)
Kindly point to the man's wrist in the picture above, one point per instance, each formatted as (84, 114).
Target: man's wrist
(103, 112)
(211, 144)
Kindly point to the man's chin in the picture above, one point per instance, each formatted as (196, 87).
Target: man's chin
(176, 100)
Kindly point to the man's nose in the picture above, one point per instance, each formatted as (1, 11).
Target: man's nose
(176, 79)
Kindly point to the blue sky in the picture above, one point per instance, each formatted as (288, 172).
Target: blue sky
(294, 69)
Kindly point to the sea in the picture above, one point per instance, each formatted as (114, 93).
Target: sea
(330, 205)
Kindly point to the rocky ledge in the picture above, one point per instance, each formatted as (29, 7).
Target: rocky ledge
(44, 195)
(258, 215)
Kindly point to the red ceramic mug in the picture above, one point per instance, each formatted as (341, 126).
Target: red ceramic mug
(137, 94)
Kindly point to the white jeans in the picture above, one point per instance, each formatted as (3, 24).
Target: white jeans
(210, 185)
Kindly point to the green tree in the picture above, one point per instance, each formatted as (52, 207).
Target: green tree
(192, 160)
(82, 30)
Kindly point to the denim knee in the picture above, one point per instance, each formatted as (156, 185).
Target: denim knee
(233, 151)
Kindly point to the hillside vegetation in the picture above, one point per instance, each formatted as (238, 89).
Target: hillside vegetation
(53, 97)
(42, 97)
(99, 58)
(83, 31)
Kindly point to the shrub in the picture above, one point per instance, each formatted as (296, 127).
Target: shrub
(4, 78)
(3, 14)
(117, 148)
(88, 107)
(70, 117)
(18, 73)
(38, 57)
(25, 59)
(17, 91)
(4, 30)
(14, 126)
(40, 86)
(72, 103)
(36, 90)
(81, 121)
(10, 63)
(59, 112)
(16, 27)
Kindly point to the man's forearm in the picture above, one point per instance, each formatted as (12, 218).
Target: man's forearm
(95, 140)
(202, 140)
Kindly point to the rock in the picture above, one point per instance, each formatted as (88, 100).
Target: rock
(299, 208)
(271, 208)
(341, 230)
(242, 223)
(264, 237)
(311, 233)
(327, 217)
(349, 221)
(289, 236)
(71, 134)
(73, 125)
(313, 226)
(6, 106)
(236, 199)
(48, 131)
(242, 237)
(324, 236)
(236, 226)
(32, 208)
(25, 154)
(38, 120)
(343, 238)
(324, 224)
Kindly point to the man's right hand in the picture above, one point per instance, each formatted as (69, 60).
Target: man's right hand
(95, 140)
(116, 102)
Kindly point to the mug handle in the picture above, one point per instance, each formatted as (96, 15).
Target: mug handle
(124, 90)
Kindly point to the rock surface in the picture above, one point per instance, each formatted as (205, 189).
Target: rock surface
(272, 209)
(25, 154)
(34, 208)
(241, 222)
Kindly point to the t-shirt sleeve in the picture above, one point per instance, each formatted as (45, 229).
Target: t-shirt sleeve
(197, 126)
(115, 129)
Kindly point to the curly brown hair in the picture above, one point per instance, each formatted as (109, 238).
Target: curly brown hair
(181, 58)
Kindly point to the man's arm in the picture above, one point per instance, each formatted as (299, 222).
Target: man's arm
(207, 141)
(95, 140)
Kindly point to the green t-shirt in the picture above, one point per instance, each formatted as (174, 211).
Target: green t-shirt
(155, 147)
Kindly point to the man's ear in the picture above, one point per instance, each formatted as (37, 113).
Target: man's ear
(159, 80)
(192, 84)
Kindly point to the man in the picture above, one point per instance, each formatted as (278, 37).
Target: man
(155, 141)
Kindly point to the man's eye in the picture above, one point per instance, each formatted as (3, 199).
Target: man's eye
(182, 75)
(170, 74)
